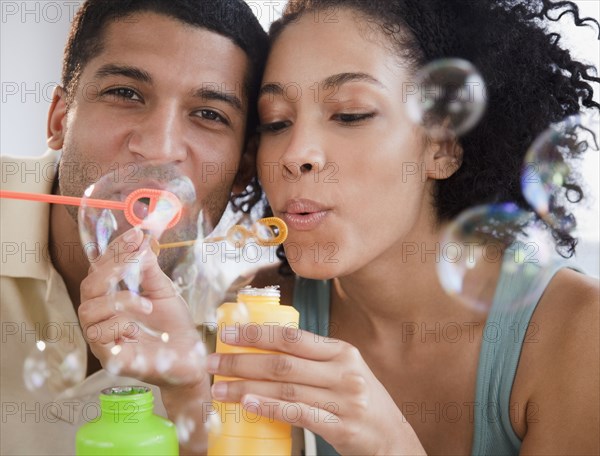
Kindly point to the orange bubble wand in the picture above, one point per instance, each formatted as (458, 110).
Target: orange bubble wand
(239, 235)
(236, 234)
(153, 195)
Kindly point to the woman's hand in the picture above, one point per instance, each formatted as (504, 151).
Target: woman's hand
(317, 383)
(148, 335)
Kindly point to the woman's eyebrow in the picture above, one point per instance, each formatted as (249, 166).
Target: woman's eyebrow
(340, 79)
(335, 80)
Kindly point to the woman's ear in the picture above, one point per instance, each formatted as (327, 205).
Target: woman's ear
(247, 167)
(57, 119)
(443, 158)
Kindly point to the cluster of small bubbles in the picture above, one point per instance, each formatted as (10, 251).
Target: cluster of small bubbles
(140, 362)
(484, 243)
(52, 367)
(177, 361)
(165, 359)
(115, 362)
(36, 370)
(547, 173)
(449, 98)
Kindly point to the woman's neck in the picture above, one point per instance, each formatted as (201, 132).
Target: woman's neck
(402, 285)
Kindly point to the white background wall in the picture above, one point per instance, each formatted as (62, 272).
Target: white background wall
(33, 34)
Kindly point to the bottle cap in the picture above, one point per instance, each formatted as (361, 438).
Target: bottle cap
(269, 292)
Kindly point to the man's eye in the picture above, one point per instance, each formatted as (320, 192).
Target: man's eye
(211, 115)
(273, 127)
(124, 93)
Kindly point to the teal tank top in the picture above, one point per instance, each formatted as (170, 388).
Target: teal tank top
(517, 294)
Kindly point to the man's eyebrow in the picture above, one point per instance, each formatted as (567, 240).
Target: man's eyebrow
(124, 70)
(215, 95)
(336, 80)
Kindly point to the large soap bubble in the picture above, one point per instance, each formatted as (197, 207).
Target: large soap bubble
(158, 200)
(448, 99)
(547, 172)
(163, 204)
(484, 243)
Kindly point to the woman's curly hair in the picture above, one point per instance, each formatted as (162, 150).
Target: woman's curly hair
(531, 82)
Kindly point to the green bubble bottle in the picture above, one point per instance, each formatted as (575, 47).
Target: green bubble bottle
(127, 426)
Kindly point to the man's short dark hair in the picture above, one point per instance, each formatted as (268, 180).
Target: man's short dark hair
(232, 19)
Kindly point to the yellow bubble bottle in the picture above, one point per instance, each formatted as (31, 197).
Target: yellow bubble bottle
(239, 431)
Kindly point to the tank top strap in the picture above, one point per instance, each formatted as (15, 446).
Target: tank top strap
(311, 300)
(518, 292)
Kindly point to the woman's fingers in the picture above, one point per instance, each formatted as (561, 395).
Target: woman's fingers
(321, 420)
(285, 339)
(234, 391)
(274, 367)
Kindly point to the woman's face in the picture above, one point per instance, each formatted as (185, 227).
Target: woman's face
(339, 159)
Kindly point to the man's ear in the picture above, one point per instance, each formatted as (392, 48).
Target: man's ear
(247, 167)
(57, 119)
(443, 158)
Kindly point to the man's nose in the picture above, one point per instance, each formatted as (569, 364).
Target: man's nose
(159, 136)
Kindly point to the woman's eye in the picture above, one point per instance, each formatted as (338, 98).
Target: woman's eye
(273, 127)
(124, 93)
(349, 119)
(211, 115)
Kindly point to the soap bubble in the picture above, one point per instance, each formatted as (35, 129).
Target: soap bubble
(546, 172)
(224, 257)
(116, 362)
(175, 358)
(52, 367)
(449, 98)
(156, 199)
(486, 243)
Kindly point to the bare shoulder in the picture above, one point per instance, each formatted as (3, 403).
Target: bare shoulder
(270, 276)
(569, 310)
(559, 369)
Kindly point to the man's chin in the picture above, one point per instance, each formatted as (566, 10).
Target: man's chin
(169, 259)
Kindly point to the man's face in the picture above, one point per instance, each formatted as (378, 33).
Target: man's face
(160, 93)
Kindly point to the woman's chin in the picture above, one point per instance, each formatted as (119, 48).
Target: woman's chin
(316, 271)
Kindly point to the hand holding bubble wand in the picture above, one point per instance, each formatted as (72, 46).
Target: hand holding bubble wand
(150, 210)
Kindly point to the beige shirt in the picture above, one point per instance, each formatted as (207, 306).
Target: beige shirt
(35, 305)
